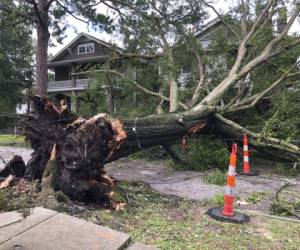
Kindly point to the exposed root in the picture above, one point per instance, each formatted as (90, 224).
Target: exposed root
(15, 167)
(82, 149)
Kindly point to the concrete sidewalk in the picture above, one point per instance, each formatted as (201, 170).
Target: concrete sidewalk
(46, 229)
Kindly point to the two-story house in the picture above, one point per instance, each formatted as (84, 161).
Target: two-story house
(71, 64)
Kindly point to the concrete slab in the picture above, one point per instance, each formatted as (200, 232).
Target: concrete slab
(66, 232)
(9, 218)
(37, 216)
(140, 246)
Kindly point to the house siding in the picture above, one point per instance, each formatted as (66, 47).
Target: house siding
(62, 73)
(72, 53)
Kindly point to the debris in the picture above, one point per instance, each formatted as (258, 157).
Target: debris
(15, 167)
(6, 182)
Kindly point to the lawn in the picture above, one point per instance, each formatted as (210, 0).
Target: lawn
(11, 140)
(169, 222)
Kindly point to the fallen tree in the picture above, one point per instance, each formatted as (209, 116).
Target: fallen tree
(84, 145)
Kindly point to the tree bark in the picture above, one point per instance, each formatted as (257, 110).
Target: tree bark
(42, 48)
(173, 86)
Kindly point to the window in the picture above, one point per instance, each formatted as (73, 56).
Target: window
(85, 48)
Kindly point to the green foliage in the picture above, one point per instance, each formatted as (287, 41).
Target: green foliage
(284, 208)
(153, 153)
(204, 153)
(288, 169)
(171, 223)
(128, 101)
(10, 200)
(281, 124)
(218, 200)
(255, 197)
(12, 140)
(217, 177)
(15, 61)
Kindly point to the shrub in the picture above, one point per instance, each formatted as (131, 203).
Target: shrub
(216, 177)
(204, 153)
(153, 153)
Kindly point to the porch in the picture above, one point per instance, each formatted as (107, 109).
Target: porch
(67, 85)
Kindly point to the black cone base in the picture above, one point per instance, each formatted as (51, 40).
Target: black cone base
(217, 214)
(251, 173)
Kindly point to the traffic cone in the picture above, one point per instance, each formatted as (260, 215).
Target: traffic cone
(230, 186)
(227, 213)
(246, 164)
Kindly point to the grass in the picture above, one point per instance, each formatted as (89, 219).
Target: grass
(172, 223)
(11, 140)
(256, 197)
(217, 177)
(169, 222)
(23, 198)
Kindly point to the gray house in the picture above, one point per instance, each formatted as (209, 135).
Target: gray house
(86, 53)
(71, 64)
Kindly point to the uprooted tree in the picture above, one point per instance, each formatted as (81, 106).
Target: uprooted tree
(85, 145)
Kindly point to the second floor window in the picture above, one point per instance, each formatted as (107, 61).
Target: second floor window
(85, 48)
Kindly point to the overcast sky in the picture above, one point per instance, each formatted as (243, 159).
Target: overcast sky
(77, 27)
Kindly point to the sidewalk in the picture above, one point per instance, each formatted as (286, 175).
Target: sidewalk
(46, 229)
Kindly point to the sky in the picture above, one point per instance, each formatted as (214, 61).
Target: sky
(77, 27)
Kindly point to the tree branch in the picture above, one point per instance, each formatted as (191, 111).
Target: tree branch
(223, 20)
(47, 6)
(70, 12)
(257, 97)
(140, 87)
(260, 140)
(235, 74)
(201, 70)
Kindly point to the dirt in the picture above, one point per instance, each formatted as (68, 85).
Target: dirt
(7, 153)
(252, 192)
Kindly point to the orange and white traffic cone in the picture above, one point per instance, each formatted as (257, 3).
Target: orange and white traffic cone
(227, 213)
(246, 164)
(230, 186)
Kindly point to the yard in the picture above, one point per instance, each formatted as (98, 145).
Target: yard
(169, 222)
(167, 208)
(11, 140)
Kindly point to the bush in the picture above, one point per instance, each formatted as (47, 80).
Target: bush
(204, 153)
(216, 177)
(153, 153)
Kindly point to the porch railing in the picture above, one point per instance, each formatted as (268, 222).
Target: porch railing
(78, 84)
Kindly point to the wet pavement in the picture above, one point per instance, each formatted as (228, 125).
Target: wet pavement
(185, 184)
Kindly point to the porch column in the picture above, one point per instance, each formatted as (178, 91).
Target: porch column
(74, 101)
(73, 78)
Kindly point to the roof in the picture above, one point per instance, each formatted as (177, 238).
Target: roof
(82, 34)
(208, 26)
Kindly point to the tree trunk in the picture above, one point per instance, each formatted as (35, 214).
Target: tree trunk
(173, 86)
(84, 146)
(42, 48)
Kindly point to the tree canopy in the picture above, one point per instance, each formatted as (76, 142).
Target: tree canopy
(16, 58)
